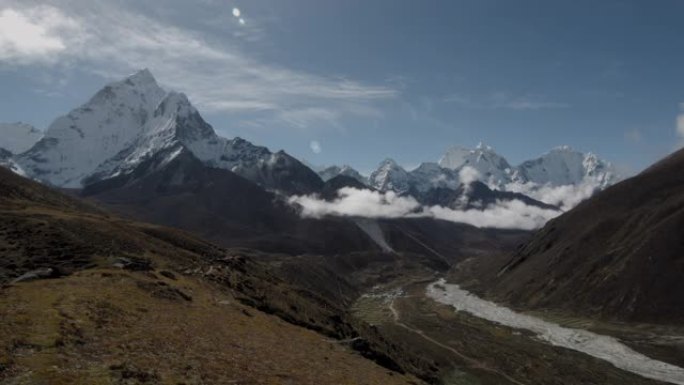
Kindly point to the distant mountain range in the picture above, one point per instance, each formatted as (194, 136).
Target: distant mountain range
(557, 169)
(133, 126)
(562, 166)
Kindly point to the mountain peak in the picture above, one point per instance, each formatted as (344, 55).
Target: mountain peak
(565, 166)
(388, 162)
(345, 170)
(144, 76)
(483, 147)
(390, 176)
(75, 145)
(492, 167)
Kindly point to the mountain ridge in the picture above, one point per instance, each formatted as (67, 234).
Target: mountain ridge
(132, 119)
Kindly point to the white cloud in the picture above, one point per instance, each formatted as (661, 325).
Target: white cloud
(372, 204)
(35, 36)
(468, 175)
(113, 40)
(513, 214)
(358, 203)
(315, 147)
(566, 197)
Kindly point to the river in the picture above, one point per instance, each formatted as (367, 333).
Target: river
(603, 347)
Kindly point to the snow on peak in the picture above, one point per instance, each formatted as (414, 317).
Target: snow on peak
(174, 122)
(389, 176)
(565, 166)
(492, 167)
(18, 137)
(563, 148)
(175, 103)
(346, 170)
(74, 145)
(483, 147)
(142, 77)
(430, 175)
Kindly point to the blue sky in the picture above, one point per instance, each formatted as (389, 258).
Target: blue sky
(371, 79)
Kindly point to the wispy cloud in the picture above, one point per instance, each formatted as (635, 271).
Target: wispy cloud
(305, 117)
(218, 75)
(504, 100)
(35, 35)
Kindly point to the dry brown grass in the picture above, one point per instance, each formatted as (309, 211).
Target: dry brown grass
(108, 326)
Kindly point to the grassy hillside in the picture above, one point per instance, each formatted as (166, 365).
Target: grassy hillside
(90, 298)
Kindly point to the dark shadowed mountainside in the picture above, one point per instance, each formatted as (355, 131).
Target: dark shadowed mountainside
(619, 254)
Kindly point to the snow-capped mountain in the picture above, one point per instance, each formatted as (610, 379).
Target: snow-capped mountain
(430, 175)
(432, 185)
(561, 178)
(561, 166)
(564, 166)
(76, 144)
(134, 120)
(174, 122)
(493, 169)
(390, 176)
(18, 137)
(333, 171)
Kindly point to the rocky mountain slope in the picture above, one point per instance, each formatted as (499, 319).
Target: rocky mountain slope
(616, 255)
(176, 189)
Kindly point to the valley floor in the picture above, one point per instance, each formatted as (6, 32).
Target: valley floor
(466, 349)
(606, 348)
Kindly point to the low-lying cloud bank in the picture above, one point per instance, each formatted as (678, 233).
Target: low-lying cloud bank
(565, 197)
(353, 202)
